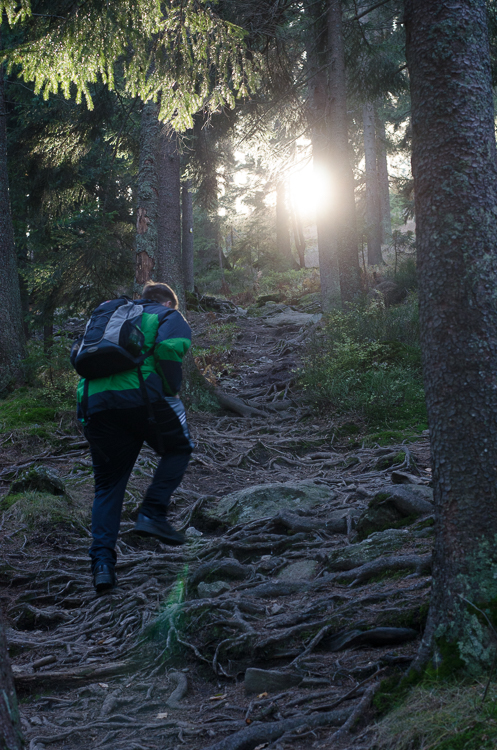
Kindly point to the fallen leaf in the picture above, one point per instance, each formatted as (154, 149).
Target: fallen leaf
(161, 716)
(103, 684)
(262, 695)
(218, 697)
(259, 747)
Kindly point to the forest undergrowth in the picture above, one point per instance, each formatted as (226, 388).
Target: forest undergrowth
(297, 604)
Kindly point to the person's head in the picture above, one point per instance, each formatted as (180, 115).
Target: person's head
(161, 293)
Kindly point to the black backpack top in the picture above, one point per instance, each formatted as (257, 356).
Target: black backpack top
(112, 342)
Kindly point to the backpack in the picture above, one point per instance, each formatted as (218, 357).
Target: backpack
(112, 341)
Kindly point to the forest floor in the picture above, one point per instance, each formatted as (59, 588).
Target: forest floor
(177, 656)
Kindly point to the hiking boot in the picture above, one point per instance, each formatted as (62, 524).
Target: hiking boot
(161, 530)
(104, 578)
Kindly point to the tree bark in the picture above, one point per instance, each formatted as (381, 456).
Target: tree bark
(11, 323)
(373, 224)
(384, 183)
(148, 196)
(298, 235)
(343, 204)
(187, 236)
(169, 263)
(10, 732)
(282, 225)
(317, 116)
(455, 184)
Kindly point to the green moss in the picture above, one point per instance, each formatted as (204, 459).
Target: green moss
(8, 501)
(385, 462)
(388, 436)
(425, 524)
(446, 663)
(393, 691)
(42, 510)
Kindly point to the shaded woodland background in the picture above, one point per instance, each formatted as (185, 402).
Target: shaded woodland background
(257, 157)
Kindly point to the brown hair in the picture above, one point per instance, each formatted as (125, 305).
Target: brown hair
(160, 293)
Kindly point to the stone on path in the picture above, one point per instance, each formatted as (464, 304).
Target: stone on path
(208, 590)
(376, 545)
(303, 570)
(38, 479)
(292, 318)
(393, 503)
(266, 500)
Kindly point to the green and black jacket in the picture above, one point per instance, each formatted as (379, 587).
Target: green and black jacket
(170, 336)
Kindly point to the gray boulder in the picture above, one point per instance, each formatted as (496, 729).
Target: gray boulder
(376, 545)
(293, 318)
(209, 590)
(266, 500)
(302, 570)
(393, 504)
(38, 479)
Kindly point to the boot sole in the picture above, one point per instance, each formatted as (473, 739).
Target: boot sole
(145, 531)
(101, 587)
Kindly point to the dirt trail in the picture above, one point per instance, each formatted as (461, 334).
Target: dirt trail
(161, 662)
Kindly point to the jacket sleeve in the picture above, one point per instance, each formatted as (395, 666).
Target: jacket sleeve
(171, 344)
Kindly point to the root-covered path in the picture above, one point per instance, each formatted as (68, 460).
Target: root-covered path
(271, 627)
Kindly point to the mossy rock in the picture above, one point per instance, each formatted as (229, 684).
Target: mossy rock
(42, 510)
(392, 459)
(376, 545)
(394, 505)
(266, 500)
(268, 308)
(260, 301)
(38, 479)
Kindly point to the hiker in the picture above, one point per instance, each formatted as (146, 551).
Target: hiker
(145, 340)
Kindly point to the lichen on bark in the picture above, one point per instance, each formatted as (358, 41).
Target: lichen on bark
(455, 182)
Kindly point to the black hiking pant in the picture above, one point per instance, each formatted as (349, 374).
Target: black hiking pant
(116, 437)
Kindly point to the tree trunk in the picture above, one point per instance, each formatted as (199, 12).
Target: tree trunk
(187, 237)
(384, 184)
(169, 263)
(11, 324)
(455, 185)
(343, 204)
(373, 224)
(10, 732)
(148, 196)
(298, 235)
(317, 116)
(282, 225)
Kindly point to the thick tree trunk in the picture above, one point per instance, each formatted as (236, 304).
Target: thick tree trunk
(317, 117)
(187, 236)
(384, 183)
(373, 224)
(329, 273)
(169, 263)
(10, 732)
(455, 184)
(283, 226)
(11, 324)
(343, 205)
(148, 196)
